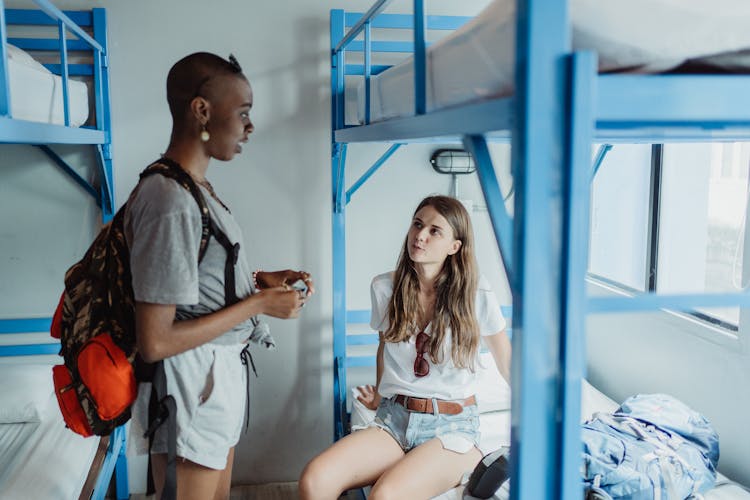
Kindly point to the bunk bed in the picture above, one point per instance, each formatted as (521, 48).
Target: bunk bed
(59, 97)
(554, 105)
(40, 457)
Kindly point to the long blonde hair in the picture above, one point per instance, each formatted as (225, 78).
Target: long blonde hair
(455, 290)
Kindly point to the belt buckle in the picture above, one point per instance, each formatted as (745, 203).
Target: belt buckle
(406, 403)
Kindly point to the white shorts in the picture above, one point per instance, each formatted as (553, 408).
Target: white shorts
(209, 385)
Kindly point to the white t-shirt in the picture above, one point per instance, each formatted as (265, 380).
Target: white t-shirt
(445, 380)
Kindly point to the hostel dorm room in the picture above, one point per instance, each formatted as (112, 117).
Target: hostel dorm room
(607, 146)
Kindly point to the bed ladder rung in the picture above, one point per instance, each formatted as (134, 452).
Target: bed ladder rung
(362, 339)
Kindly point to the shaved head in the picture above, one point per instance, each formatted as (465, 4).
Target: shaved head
(199, 74)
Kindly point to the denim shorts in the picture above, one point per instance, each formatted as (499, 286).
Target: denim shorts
(459, 433)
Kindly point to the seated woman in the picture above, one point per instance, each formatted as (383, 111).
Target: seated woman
(430, 314)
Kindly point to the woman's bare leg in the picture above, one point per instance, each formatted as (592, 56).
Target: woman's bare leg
(194, 482)
(225, 481)
(358, 459)
(426, 471)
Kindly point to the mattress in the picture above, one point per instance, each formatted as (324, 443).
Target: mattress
(37, 95)
(477, 61)
(41, 458)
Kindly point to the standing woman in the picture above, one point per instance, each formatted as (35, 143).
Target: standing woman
(181, 314)
(430, 314)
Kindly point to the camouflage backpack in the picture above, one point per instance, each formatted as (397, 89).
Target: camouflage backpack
(95, 322)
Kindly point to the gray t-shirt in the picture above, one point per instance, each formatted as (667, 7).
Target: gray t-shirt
(163, 231)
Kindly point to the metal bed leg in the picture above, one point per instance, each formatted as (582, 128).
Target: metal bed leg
(121, 469)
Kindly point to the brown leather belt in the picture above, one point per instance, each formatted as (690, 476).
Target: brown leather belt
(422, 405)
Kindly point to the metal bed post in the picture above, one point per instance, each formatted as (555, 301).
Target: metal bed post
(122, 488)
(540, 132)
(420, 60)
(64, 71)
(4, 85)
(577, 195)
(367, 69)
(103, 116)
(502, 223)
(338, 222)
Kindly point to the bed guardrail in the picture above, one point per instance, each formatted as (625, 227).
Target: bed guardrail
(71, 36)
(27, 325)
(115, 459)
(358, 24)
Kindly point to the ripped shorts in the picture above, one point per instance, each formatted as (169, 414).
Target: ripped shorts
(459, 433)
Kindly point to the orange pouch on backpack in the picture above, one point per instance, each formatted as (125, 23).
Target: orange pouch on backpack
(107, 374)
(67, 399)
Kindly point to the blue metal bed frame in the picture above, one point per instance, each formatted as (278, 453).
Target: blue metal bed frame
(115, 459)
(561, 105)
(13, 131)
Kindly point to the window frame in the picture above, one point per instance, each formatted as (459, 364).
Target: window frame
(651, 273)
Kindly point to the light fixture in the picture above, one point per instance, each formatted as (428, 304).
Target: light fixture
(453, 162)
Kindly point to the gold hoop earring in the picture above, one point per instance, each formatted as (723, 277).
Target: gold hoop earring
(205, 136)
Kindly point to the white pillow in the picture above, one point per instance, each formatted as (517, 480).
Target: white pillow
(25, 392)
(493, 392)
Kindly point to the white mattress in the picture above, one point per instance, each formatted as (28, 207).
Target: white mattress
(37, 95)
(477, 61)
(43, 459)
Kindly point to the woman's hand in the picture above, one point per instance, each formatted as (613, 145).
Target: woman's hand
(273, 279)
(368, 396)
(281, 302)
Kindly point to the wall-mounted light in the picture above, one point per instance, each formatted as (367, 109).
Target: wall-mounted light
(453, 162)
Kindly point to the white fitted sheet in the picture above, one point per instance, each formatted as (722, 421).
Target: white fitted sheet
(37, 95)
(477, 61)
(43, 459)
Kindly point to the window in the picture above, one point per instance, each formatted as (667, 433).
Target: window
(619, 216)
(704, 198)
(671, 219)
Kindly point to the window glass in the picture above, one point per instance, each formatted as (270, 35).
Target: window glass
(619, 216)
(703, 207)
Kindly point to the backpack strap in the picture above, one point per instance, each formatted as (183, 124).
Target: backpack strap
(162, 408)
(233, 253)
(170, 168)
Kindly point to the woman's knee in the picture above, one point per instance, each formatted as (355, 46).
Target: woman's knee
(385, 490)
(316, 481)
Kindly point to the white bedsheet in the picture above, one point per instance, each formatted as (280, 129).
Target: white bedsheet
(477, 61)
(37, 95)
(43, 460)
